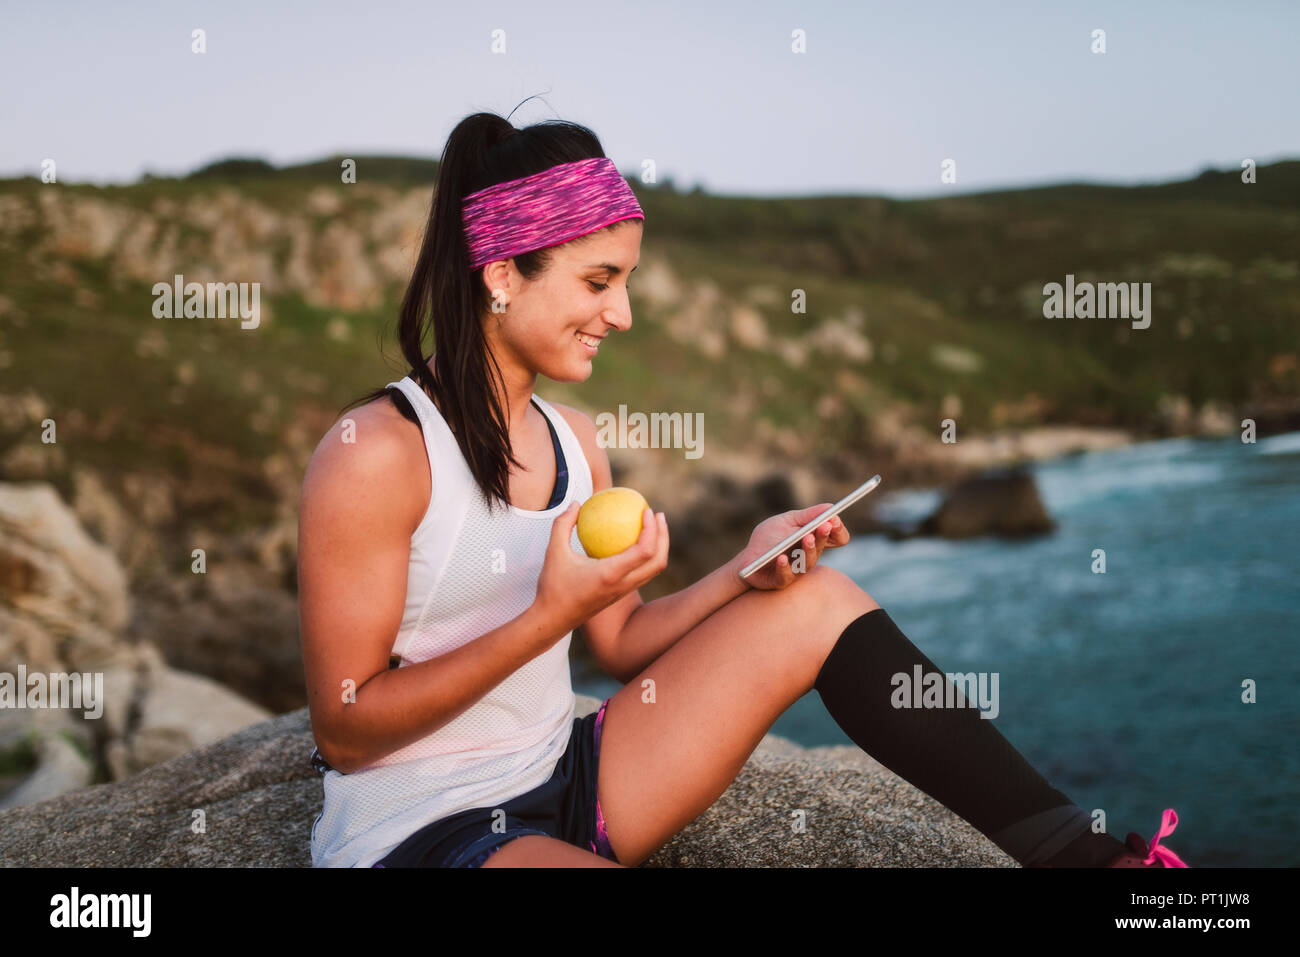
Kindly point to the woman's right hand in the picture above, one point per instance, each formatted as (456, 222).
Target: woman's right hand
(573, 587)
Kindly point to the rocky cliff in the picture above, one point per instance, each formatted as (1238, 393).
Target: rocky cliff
(63, 606)
(176, 770)
(249, 801)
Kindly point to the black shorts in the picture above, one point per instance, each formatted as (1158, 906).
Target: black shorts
(565, 807)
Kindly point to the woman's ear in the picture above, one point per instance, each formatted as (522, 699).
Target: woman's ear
(496, 277)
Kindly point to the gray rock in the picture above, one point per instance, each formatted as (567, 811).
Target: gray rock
(1002, 503)
(62, 768)
(63, 606)
(177, 712)
(258, 796)
(55, 572)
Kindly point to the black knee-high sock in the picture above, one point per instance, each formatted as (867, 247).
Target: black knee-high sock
(952, 754)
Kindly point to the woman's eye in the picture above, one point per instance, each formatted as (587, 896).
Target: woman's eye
(599, 286)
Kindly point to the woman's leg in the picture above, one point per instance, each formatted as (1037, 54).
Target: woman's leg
(716, 692)
(949, 748)
(737, 671)
(535, 850)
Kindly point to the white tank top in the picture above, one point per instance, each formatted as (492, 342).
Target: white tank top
(470, 572)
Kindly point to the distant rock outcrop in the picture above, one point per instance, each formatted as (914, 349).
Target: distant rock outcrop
(63, 606)
(259, 796)
(1004, 503)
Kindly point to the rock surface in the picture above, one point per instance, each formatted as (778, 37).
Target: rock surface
(1003, 503)
(63, 606)
(249, 800)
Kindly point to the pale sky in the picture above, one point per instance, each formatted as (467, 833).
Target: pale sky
(711, 92)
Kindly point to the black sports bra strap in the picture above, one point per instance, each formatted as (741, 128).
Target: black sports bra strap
(561, 487)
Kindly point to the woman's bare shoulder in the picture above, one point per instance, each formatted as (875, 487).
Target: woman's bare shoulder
(372, 459)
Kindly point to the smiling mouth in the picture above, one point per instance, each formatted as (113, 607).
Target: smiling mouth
(591, 342)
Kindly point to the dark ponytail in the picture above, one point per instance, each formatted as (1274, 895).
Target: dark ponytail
(484, 149)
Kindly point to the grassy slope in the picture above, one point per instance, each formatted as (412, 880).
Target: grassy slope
(965, 272)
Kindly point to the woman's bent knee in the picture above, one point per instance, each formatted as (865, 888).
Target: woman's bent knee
(835, 602)
(839, 591)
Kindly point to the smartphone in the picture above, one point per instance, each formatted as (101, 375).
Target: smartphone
(795, 537)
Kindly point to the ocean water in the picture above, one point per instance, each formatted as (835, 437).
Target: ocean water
(1124, 689)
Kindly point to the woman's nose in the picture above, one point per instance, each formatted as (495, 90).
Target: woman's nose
(620, 316)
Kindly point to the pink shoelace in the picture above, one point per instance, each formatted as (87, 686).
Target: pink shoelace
(1168, 821)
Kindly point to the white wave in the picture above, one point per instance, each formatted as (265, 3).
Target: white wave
(1286, 444)
(908, 505)
(1172, 462)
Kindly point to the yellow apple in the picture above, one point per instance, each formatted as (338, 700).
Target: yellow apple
(610, 521)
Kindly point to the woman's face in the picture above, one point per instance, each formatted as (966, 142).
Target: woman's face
(584, 291)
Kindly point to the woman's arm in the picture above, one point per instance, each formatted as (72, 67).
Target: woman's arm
(652, 628)
(354, 532)
(655, 626)
(629, 634)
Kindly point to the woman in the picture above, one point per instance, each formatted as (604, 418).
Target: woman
(441, 580)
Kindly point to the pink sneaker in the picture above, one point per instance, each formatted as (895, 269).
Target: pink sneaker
(1139, 854)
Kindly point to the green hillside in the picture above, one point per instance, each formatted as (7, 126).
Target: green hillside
(915, 309)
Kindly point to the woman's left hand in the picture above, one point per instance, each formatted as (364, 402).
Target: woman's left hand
(780, 572)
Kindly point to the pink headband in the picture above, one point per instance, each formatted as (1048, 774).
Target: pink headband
(545, 209)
